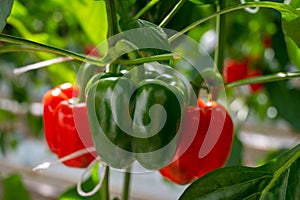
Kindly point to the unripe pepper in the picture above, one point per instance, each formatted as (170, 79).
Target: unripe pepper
(66, 125)
(134, 120)
(210, 147)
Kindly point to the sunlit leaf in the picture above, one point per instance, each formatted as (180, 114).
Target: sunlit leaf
(91, 16)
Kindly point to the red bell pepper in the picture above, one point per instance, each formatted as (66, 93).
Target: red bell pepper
(66, 125)
(211, 129)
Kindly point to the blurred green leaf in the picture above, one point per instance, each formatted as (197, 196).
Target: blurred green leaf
(13, 188)
(236, 153)
(278, 179)
(293, 52)
(291, 26)
(146, 36)
(202, 1)
(124, 7)
(91, 16)
(286, 101)
(5, 9)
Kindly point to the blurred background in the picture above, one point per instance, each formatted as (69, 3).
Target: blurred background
(266, 116)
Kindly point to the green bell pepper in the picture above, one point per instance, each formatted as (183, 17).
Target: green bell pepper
(135, 120)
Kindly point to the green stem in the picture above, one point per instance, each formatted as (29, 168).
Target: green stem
(220, 28)
(112, 28)
(126, 186)
(172, 13)
(111, 20)
(37, 47)
(146, 59)
(279, 6)
(51, 49)
(18, 49)
(145, 9)
(264, 79)
(105, 186)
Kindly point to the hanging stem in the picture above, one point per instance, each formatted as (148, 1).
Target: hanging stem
(51, 49)
(112, 28)
(126, 185)
(161, 57)
(105, 186)
(172, 13)
(145, 9)
(220, 28)
(111, 20)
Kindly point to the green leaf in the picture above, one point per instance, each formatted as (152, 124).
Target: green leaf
(291, 21)
(291, 26)
(5, 9)
(124, 8)
(13, 188)
(146, 36)
(293, 52)
(278, 179)
(91, 16)
(202, 1)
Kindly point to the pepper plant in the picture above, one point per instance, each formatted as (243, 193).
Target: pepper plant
(137, 97)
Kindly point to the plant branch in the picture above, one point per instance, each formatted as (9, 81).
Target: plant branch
(51, 49)
(105, 185)
(279, 6)
(220, 28)
(172, 13)
(147, 59)
(112, 28)
(112, 20)
(264, 79)
(126, 186)
(145, 9)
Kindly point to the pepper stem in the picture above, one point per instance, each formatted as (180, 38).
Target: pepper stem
(112, 28)
(105, 185)
(126, 185)
(220, 27)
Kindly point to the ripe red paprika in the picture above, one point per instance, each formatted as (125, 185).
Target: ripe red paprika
(210, 147)
(235, 70)
(66, 125)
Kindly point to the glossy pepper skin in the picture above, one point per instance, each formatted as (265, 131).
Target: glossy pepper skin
(134, 121)
(209, 148)
(66, 125)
